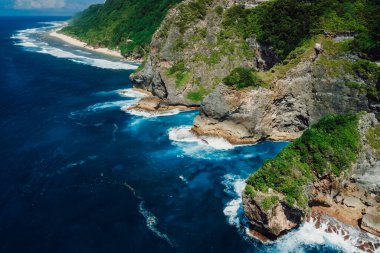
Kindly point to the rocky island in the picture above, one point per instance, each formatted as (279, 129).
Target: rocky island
(279, 70)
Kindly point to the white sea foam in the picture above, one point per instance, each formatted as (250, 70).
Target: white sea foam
(308, 235)
(146, 114)
(183, 179)
(150, 218)
(110, 104)
(234, 188)
(33, 39)
(131, 93)
(98, 107)
(184, 134)
(152, 221)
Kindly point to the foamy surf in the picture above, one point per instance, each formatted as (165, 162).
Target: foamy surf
(34, 40)
(146, 114)
(314, 232)
(131, 93)
(233, 209)
(184, 134)
(98, 107)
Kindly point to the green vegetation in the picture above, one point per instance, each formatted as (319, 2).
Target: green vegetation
(249, 190)
(286, 24)
(190, 12)
(242, 77)
(180, 72)
(197, 95)
(268, 202)
(373, 137)
(128, 25)
(369, 89)
(367, 70)
(330, 146)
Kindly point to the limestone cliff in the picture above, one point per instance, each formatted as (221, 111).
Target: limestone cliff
(317, 84)
(189, 55)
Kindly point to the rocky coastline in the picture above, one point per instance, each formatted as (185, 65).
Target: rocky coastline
(345, 197)
(318, 81)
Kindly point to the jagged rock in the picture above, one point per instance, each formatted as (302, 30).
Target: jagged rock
(170, 45)
(318, 48)
(352, 201)
(283, 111)
(371, 223)
(339, 199)
(276, 221)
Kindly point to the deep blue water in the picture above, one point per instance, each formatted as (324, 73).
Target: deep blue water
(80, 175)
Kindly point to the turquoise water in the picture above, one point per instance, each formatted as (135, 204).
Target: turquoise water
(80, 175)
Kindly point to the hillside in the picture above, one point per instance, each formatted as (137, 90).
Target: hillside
(127, 25)
(332, 168)
(201, 42)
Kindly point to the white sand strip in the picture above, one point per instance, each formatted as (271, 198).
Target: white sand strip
(79, 43)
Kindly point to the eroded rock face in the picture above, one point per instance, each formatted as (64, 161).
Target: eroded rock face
(285, 109)
(354, 202)
(207, 58)
(274, 221)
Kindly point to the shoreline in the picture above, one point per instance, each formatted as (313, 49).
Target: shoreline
(78, 43)
(151, 104)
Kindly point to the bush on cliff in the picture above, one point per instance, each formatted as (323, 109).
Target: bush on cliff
(242, 77)
(330, 146)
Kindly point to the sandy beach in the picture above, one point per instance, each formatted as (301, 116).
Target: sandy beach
(78, 43)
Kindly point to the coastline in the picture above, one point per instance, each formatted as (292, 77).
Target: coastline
(78, 43)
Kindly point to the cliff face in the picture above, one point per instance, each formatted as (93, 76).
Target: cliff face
(292, 102)
(351, 196)
(197, 45)
(189, 55)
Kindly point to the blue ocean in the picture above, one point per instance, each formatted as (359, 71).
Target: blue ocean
(79, 174)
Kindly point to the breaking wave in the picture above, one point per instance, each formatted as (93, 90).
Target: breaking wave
(233, 209)
(184, 134)
(36, 40)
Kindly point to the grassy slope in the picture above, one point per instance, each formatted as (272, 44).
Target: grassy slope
(330, 146)
(127, 24)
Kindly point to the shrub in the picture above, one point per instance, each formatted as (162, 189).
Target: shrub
(242, 77)
(367, 70)
(330, 146)
(268, 202)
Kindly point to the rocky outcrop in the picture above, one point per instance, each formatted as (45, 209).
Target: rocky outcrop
(352, 201)
(271, 221)
(282, 111)
(193, 38)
